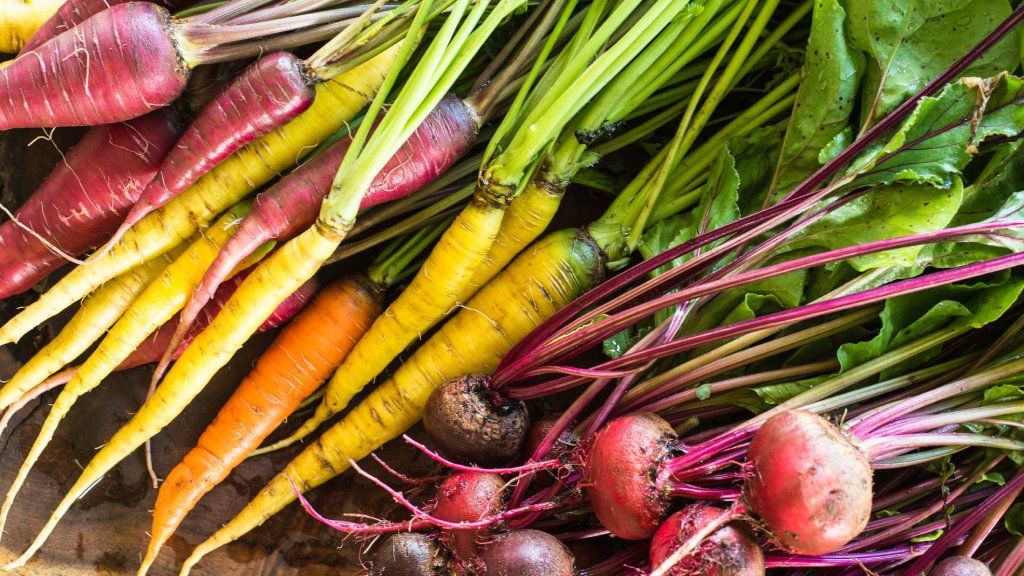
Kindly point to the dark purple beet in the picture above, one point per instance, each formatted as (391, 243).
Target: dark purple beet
(960, 566)
(411, 554)
(527, 553)
(468, 426)
(729, 551)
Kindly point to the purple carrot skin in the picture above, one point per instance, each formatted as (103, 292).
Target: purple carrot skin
(87, 77)
(74, 11)
(84, 198)
(293, 204)
(270, 93)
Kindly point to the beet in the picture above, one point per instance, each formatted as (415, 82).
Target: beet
(411, 554)
(729, 551)
(538, 430)
(468, 497)
(527, 553)
(808, 483)
(622, 465)
(468, 426)
(960, 566)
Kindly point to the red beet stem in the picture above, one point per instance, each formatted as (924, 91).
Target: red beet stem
(269, 94)
(116, 65)
(84, 198)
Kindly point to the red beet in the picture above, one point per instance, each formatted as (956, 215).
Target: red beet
(411, 554)
(621, 468)
(960, 566)
(467, 425)
(527, 553)
(469, 497)
(729, 551)
(808, 483)
(538, 430)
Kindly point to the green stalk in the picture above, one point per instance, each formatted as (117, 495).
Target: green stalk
(396, 261)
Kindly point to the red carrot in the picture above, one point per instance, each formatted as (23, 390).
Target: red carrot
(90, 75)
(266, 96)
(74, 11)
(293, 204)
(84, 198)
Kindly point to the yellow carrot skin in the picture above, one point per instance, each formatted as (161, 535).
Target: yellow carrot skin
(164, 297)
(264, 289)
(98, 312)
(543, 279)
(525, 220)
(19, 20)
(337, 102)
(432, 294)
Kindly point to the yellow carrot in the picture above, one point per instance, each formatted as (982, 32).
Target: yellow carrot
(165, 296)
(19, 20)
(337, 102)
(466, 258)
(543, 279)
(98, 312)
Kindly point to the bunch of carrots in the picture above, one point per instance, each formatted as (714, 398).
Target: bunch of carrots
(788, 341)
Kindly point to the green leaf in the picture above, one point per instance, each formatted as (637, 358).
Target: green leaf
(1014, 519)
(929, 537)
(954, 305)
(825, 99)
(885, 212)
(762, 398)
(910, 42)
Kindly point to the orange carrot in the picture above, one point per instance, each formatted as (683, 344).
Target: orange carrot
(301, 358)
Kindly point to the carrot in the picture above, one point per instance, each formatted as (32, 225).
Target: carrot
(485, 239)
(302, 357)
(153, 347)
(266, 96)
(98, 313)
(83, 199)
(255, 164)
(291, 206)
(133, 58)
(71, 12)
(540, 281)
(157, 304)
(292, 368)
(19, 20)
(455, 44)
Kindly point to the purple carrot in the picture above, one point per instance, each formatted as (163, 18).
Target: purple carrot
(74, 11)
(266, 96)
(292, 205)
(84, 198)
(92, 75)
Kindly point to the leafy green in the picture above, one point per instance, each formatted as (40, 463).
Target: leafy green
(1014, 519)
(825, 100)
(885, 212)
(910, 42)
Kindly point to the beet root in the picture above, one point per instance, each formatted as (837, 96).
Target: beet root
(729, 551)
(411, 554)
(468, 497)
(538, 430)
(622, 465)
(960, 566)
(527, 553)
(468, 426)
(808, 483)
